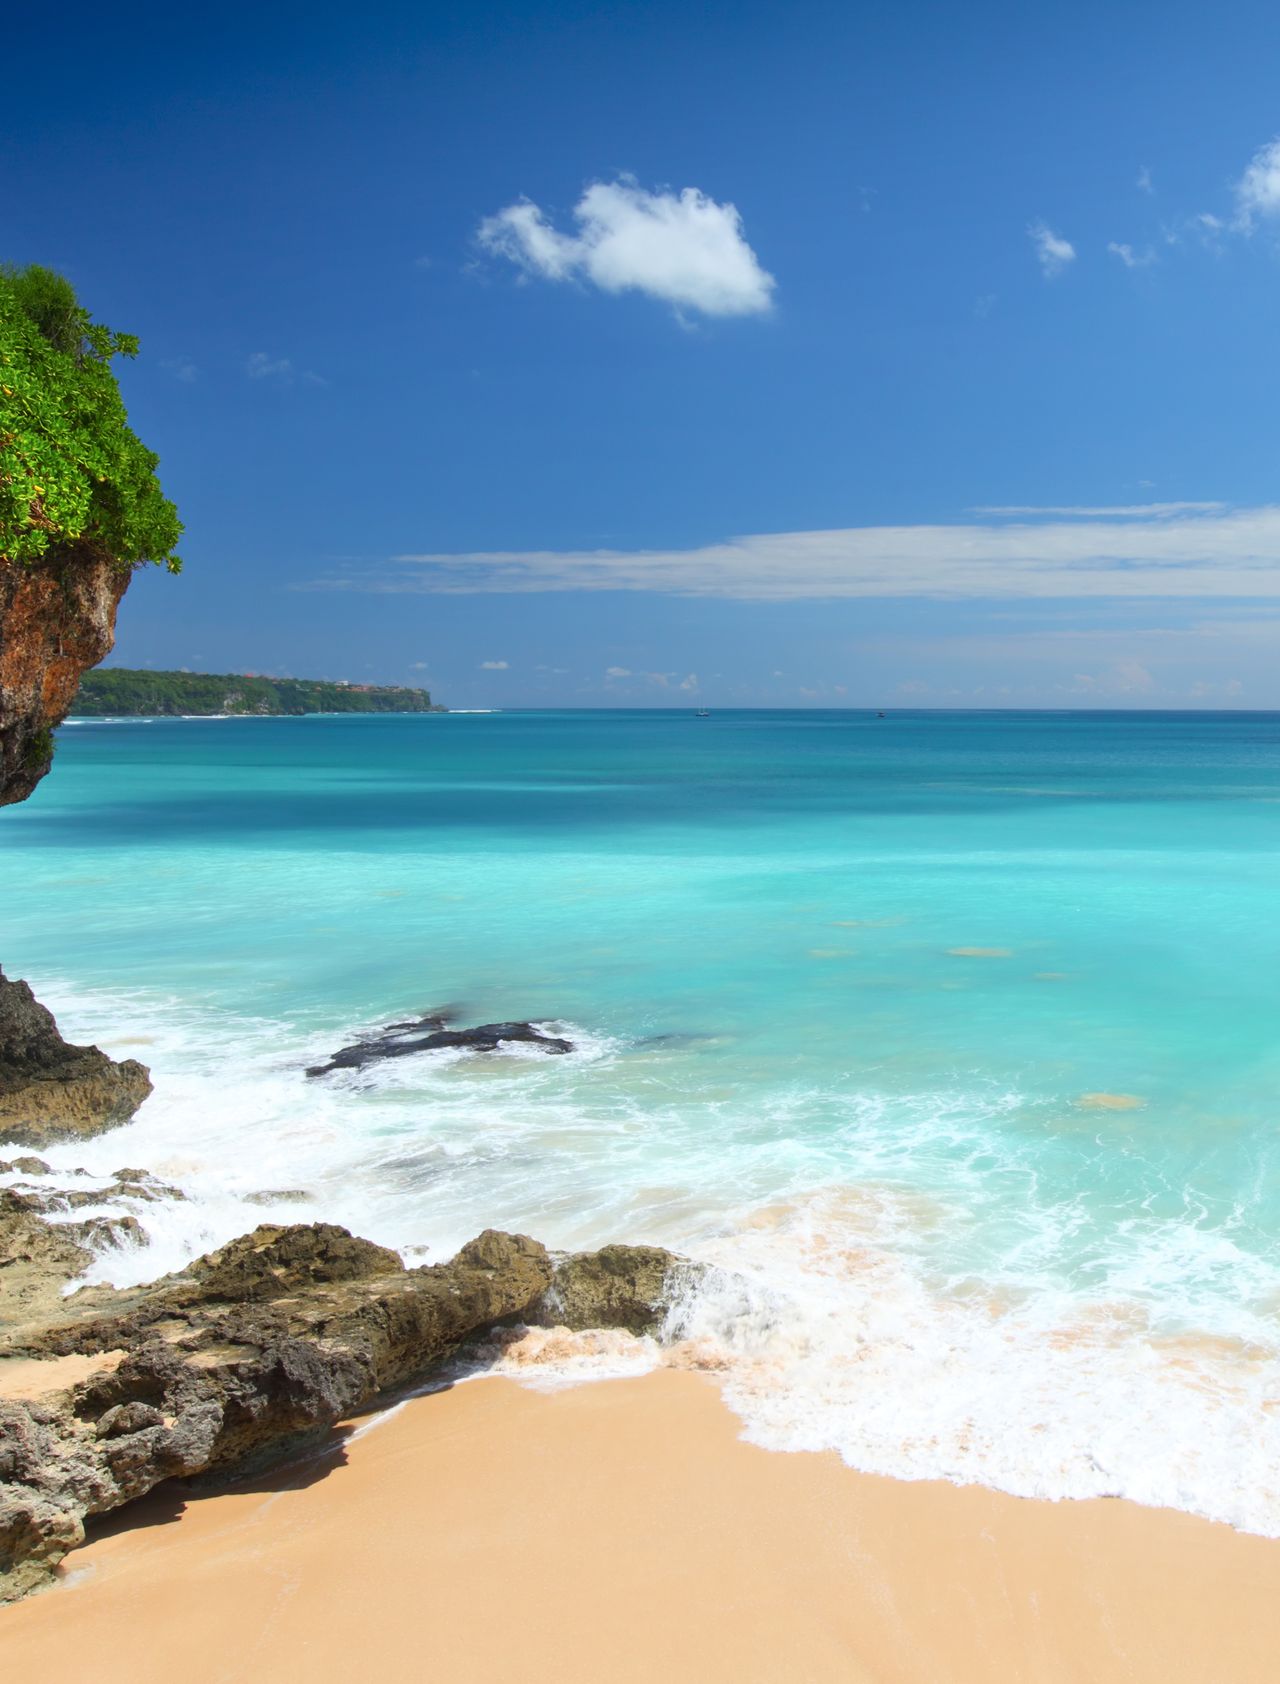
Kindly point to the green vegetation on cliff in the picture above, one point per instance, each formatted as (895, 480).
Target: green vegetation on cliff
(121, 691)
(71, 468)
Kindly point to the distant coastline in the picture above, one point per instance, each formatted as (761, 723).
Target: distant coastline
(124, 692)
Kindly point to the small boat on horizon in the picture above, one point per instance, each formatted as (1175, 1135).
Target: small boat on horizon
(703, 713)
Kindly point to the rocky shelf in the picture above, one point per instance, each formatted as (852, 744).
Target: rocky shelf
(247, 1356)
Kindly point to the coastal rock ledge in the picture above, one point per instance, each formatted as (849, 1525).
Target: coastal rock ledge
(245, 1357)
(51, 1090)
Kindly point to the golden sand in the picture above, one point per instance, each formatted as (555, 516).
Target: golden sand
(1111, 1101)
(621, 1533)
(980, 952)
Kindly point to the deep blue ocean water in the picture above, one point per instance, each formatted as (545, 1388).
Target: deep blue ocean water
(949, 1038)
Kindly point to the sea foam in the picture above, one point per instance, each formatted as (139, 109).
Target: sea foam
(959, 1327)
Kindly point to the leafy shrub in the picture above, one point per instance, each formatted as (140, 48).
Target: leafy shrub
(112, 691)
(71, 467)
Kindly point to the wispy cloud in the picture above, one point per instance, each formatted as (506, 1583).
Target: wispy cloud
(181, 368)
(494, 666)
(1143, 182)
(1129, 257)
(261, 366)
(1172, 550)
(1052, 252)
(1087, 510)
(1202, 659)
(685, 249)
(617, 672)
(1122, 678)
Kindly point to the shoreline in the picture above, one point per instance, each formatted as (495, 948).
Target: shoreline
(622, 1530)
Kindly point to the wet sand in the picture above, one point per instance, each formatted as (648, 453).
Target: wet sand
(622, 1532)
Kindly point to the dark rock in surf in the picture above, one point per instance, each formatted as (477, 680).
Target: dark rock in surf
(430, 1034)
(51, 1090)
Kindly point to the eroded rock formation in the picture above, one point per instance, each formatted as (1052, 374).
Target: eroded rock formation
(245, 1356)
(37, 1258)
(626, 1286)
(57, 618)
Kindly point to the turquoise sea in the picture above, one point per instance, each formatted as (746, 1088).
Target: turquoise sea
(949, 1038)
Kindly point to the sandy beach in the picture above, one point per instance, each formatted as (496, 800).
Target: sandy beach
(622, 1531)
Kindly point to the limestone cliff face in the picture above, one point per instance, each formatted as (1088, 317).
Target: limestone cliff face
(57, 618)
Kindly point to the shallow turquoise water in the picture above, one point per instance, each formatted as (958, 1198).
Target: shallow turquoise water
(750, 923)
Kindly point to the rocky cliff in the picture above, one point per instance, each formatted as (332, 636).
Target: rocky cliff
(57, 619)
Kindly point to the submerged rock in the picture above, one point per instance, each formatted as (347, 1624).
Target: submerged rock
(125, 1184)
(430, 1034)
(51, 1090)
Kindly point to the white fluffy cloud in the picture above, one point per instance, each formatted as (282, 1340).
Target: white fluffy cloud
(1052, 251)
(1258, 189)
(684, 248)
(617, 672)
(1173, 550)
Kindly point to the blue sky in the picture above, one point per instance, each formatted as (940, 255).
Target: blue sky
(638, 354)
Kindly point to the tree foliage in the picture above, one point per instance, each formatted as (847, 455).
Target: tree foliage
(123, 691)
(71, 467)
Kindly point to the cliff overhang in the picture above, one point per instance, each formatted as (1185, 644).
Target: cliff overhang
(57, 619)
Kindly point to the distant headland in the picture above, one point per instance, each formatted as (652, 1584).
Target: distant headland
(124, 692)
